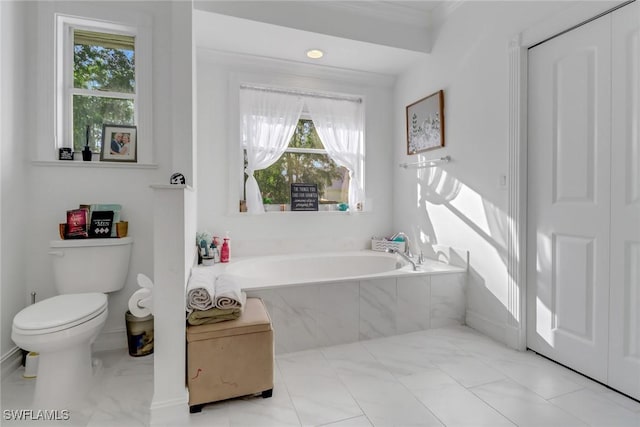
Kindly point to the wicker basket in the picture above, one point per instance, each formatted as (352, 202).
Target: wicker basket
(383, 245)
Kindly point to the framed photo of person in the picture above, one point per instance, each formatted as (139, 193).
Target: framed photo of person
(119, 143)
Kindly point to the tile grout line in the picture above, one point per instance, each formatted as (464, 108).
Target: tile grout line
(286, 387)
(346, 388)
(404, 386)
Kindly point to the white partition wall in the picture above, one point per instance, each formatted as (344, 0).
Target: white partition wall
(174, 230)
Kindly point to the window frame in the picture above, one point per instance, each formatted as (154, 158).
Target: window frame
(306, 116)
(65, 90)
(237, 156)
(294, 150)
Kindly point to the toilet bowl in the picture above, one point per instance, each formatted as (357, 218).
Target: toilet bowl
(62, 328)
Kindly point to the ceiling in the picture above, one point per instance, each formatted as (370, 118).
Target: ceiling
(409, 12)
(383, 37)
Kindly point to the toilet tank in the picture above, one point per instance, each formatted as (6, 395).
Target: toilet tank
(90, 265)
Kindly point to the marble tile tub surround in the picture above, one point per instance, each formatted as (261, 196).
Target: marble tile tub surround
(311, 316)
(423, 378)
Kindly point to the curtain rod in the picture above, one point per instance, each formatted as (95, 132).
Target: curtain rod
(303, 93)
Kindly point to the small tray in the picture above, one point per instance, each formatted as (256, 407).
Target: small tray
(383, 245)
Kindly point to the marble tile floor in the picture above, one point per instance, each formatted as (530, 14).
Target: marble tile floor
(451, 376)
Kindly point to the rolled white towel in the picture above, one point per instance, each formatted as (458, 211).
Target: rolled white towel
(201, 289)
(228, 293)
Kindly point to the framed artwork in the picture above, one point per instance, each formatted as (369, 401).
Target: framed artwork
(119, 143)
(425, 124)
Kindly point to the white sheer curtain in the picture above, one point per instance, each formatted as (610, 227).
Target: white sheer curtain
(267, 121)
(340, 125)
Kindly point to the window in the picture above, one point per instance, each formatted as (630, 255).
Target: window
(97, 75)
(299, 137)
(304, 161)
(104, 84)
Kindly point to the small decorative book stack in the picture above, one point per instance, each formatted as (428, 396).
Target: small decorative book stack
(94, 221)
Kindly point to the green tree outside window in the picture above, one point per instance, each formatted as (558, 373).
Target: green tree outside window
(304, 167)
(103, 71)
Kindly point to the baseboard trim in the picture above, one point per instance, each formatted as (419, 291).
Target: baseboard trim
(487, 326)
(170, 412)
(513, 339)
(111, 340)
(10, 361)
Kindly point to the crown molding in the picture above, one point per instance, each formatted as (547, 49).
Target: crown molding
(301, 69)
(445, 9)
(382, 10)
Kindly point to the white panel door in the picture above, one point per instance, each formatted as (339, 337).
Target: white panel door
(624, 356)
(568, 198)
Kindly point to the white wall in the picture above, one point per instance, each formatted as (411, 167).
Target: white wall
(462, 203)
(217, 77)
(13, 167)
(40, 193)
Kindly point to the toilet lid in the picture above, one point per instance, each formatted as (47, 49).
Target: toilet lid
(60, 312)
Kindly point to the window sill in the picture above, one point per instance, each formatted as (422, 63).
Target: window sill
(94, 164)
(287, 213)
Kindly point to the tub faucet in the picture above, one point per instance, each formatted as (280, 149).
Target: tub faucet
(407, 248)
(406, 257)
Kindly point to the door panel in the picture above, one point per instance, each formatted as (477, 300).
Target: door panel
(624, 356)
(568, 198)
(573, 305)
(574, 144)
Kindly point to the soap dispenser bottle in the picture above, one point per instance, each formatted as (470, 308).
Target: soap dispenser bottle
(224, 253)
(216, 252)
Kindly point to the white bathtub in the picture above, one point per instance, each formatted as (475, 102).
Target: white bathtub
(312, 268)
(322, 299)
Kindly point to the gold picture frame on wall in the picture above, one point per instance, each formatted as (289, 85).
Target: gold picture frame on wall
(425, 123)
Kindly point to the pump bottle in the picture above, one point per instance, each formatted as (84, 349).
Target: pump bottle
(224, 253)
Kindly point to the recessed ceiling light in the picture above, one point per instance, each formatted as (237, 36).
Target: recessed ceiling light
(315, 53)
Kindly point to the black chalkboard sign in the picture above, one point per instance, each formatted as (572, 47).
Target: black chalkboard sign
(65, 153)
(304, 197)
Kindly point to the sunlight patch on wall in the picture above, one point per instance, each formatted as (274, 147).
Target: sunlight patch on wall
(458, 215)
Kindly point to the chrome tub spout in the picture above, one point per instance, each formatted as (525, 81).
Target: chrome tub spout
(406, 257)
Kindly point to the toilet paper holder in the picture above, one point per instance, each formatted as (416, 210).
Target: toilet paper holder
(141, 302)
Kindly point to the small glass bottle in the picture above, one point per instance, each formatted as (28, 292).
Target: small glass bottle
(216, 252)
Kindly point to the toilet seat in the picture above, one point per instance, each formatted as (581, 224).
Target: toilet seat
(59, 312)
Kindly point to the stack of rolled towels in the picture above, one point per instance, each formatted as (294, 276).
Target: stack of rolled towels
(211, 298)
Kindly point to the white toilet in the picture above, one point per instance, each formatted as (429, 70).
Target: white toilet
(62, 328)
